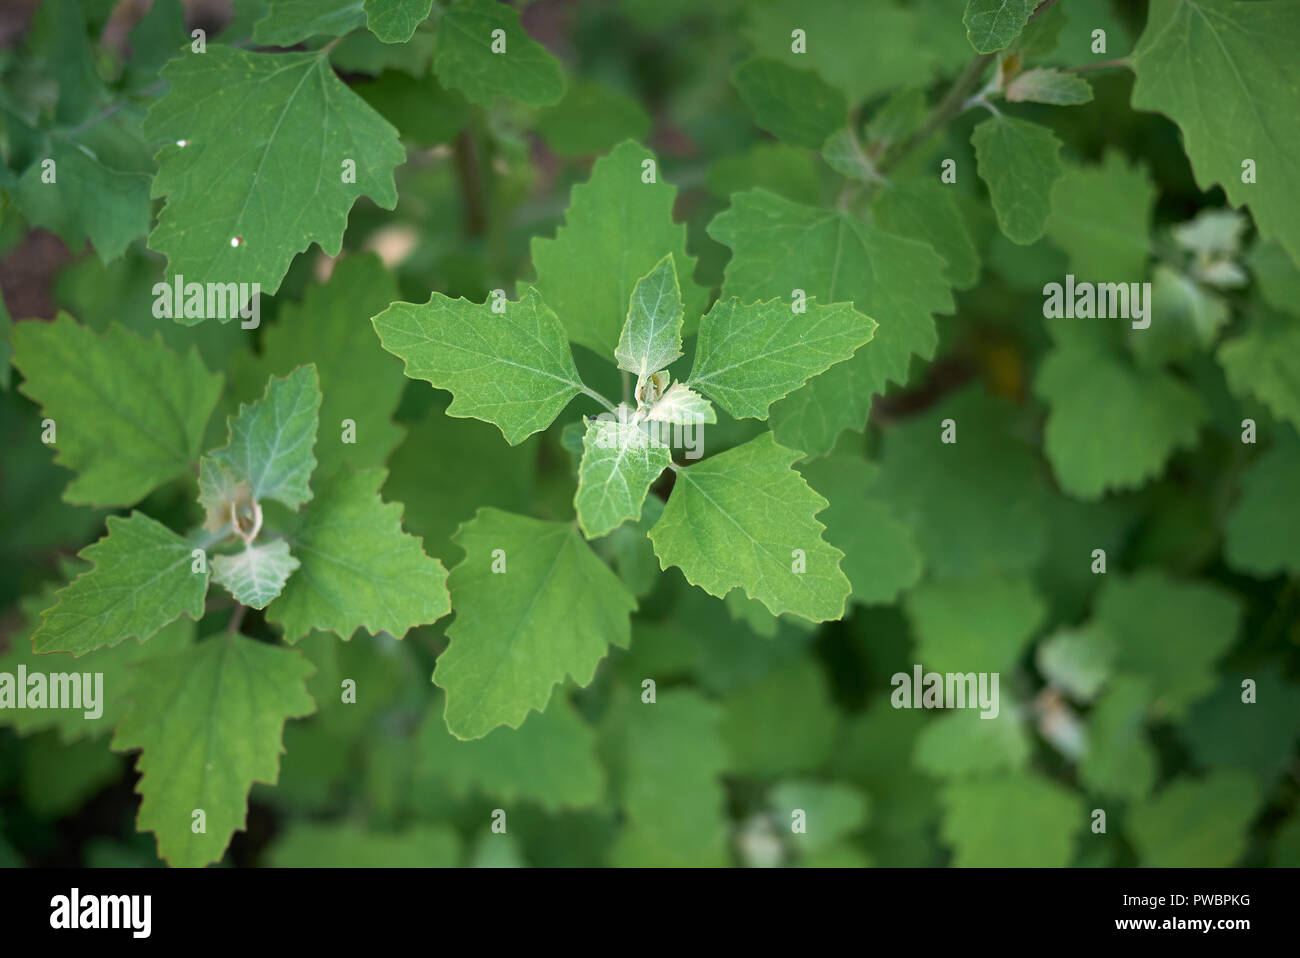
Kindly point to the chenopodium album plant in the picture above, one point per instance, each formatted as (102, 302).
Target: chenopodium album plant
(331, 558)
(741, 519)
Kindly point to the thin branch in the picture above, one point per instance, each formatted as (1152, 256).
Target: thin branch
(587, 391)
(1102, 65)
(949, 107)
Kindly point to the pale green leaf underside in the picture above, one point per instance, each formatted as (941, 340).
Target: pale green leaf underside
(747, 357)
(552, 613)
(1019, 162)
(359, 569)
(513, 369)
(142, 580)
(616, 229)
(1049, 86)
(271, 440)
(992, 25)
(736, 520)
(280, 184)
(359, 381)
(1226, 72)
(464, 60)
(129, 413)
(620, 460)
(257, 574)
(209, 721)
(652, 336)
(683, 406)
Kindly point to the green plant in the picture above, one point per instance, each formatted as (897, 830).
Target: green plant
(685, 492)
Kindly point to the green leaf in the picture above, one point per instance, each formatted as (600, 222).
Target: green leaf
(1277, 277)
(926, 212)
(349, 845)
(992, 25)
(89, 199)
(1112, 426)
(1014, 821)
(744, 518)
(1200, 62)
(652, 335)
(270, 444)
(290, 188)
(620, 461)
(1195, 823)
(779, 246)
(671, 759)
(1049, 86)
(835, 30)
(1101, 218)
(1077, 661)
(1168, 631)
(513, 369)
(209, 721)
(793, 105)
(473, 468)
(974, 625)
(552, 612)
(1264, 362)
(464, 58)
(424, 112)
(256, 575)
(550, 759)
(782, 723)
(394, 21)
(880, 556)
(141, 580)
(591, 119)
(749, 356)
(358, 380)
(831, 811)
(682, 406)
(964, 743)
(1225, 730)
(976, 507)
(1119, 761)
(117, 664)
(129, 413)
(617, 229)
(1262, 532)
(359, 569)
(288, 22)
(1018, 161)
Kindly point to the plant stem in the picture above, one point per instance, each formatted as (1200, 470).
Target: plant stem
(949, 107)
(237, 619)
(587, 391)
(1102, 65)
